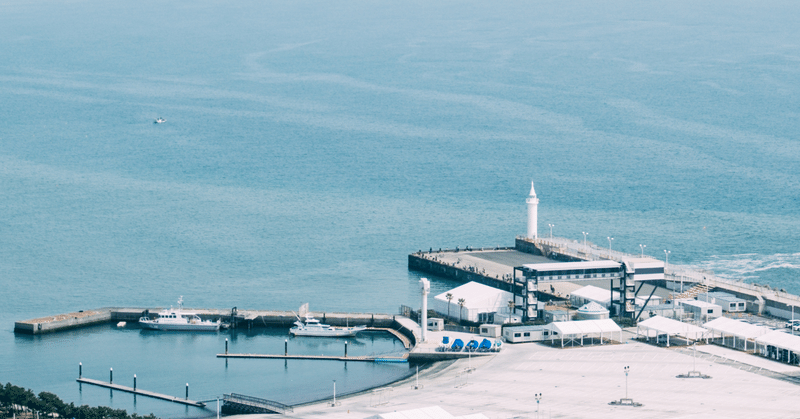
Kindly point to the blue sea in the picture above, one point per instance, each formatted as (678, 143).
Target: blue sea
(310, 146)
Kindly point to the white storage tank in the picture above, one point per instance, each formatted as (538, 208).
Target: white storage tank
(592, 311)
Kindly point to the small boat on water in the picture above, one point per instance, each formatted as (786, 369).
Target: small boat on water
(312, 327)
(160, 121)
(179, 320)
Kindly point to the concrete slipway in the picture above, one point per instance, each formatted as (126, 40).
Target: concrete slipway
(580, 382)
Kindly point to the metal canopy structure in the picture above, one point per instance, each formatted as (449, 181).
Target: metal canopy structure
(658, 325)
(583, 328)
(735, 329)
(780, 346)
(526, 285)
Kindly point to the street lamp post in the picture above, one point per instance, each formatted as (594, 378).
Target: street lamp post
(642, 246)
(610, 239)
(551, 230)
(538, 399)
(584, 237)
(666, 264)
(627, 370)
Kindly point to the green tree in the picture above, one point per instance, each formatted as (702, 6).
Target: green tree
(461, 303)
(449, 298)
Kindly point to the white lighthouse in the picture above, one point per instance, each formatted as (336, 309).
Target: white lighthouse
(533, 214)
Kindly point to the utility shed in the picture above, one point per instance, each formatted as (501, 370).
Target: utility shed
(521, 334)
(556, 314)
(575, 331)
(779, 346)
(728, 302)
(672, 311)
(701, 310)
(477, 299)
(733, 329)
(662, 328)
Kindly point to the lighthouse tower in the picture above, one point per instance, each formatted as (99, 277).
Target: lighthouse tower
(533, 214)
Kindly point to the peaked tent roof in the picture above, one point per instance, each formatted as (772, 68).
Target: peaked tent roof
(431, 412)
(476, 295)
(736, 328)
(590, 292)
(672, 327)
(592, 307)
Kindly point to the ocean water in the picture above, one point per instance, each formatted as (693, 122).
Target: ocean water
(310, 146)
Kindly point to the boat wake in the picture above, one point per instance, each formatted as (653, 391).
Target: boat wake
(752, 266)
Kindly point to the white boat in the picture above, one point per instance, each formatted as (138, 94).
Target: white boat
(160, 121)
(121, 324)
(179, 320)
(312, 327)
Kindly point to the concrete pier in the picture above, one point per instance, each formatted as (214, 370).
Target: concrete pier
(495, 267)
(139, 392)
(399, 326)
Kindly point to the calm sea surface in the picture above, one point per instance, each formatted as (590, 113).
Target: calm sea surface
(311, 145)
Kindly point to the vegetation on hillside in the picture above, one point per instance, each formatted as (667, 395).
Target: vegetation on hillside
(19, 401)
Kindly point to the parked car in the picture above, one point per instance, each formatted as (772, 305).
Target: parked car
(794, 324)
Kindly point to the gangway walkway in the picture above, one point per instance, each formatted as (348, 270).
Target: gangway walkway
(249, 404)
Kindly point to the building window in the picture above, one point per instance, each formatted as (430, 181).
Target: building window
(527, 334)
(516, 335)
(710, 311)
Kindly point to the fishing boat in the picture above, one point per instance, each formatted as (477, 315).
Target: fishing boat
(312, 327)
(179, 320)
(160, 121)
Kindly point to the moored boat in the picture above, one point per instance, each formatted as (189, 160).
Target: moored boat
(179, 320)
(312, 327)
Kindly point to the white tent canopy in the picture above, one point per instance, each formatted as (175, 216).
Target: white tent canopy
(736, 329)
(664, 326)
(478, 298)
(583, 328)
(781, 340)
(592, 293)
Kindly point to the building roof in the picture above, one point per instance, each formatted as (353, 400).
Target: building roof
(594, 264)
(477, 295)
(736, 328)
(699, 303)
(584, 327)
(781, 340)
(590, 292)
(672, 327)
(643, 263)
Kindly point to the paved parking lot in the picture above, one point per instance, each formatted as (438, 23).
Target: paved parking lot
(579, 383)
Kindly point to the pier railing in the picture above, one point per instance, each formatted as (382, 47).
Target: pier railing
(254, 404)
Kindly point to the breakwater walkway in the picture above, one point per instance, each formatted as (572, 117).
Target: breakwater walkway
(235, 318)
(139, 392)
(365, 358)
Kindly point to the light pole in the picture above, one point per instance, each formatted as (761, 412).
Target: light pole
(538, 399)
(551, 230)
(584, 237)
(627, 370)
(666, 252)
(642, 246)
